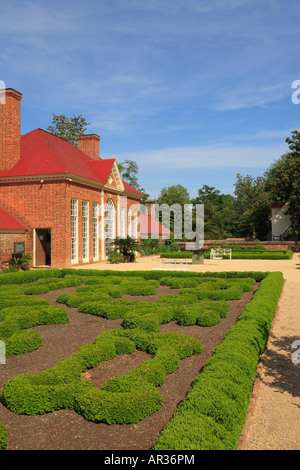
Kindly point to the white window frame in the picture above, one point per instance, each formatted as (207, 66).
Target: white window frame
(123, 222)
(129, 223)
(85, 231)
(74, 231)
(110, 224)
(95, 232)
(135, 225)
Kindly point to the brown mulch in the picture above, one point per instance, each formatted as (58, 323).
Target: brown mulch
(65, 429)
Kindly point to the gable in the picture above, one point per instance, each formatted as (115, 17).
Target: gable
(114, 179)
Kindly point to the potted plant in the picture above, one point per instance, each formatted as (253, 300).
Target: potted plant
(114, 257)
(18, 263)
(127, 247)
(198, 257)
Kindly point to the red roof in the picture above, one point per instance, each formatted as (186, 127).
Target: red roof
(277, 204)
(43, 153)
(151, 226)
(8, 222)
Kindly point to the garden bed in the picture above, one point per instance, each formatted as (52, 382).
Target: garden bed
(65, 429)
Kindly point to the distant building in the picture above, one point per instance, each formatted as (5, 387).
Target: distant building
(280, 221)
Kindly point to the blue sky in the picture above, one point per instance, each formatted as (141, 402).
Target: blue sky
(194, 91)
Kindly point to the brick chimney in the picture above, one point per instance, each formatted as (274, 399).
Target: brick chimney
(89, 144)
(10, 128)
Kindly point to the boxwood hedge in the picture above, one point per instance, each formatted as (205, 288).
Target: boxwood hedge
(124, 399)
(213, 413)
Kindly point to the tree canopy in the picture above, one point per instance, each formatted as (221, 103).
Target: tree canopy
(68, 128)
(283, 180)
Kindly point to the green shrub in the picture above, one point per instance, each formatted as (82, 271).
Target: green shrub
(35, 290)
(206, 292)
(137, 289)
(15, 322)
(148, 322)
(3, 437)
(220, 396)
(122, 400)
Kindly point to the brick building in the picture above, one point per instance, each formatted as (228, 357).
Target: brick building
(64, 202)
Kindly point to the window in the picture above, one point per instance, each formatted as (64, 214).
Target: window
(122, 223)
(135, 225)
(110, 222)
(74, 230)
(95, 232)
(85, 231)
(129, 225)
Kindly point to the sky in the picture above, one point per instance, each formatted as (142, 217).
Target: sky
(193, 91)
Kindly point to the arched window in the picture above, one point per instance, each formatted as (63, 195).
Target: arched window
(110, 223)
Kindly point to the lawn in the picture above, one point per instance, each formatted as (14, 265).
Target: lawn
(154, 360)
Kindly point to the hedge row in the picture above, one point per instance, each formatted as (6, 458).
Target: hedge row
(213, 414)
(157, 274)
(187, 310)
(16, 321)
(24, 277)
(3, 437)
(124, 399)
(254, 254)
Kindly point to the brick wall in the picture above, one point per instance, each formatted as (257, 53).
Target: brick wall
(7, 241)
(48, 205)
(10, 129)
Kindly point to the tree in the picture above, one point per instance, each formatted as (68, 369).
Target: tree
(252, 206)
(129, 171)
(283, 180)
(172, 199)
(219, 212)
(176, 194)
(68, 129)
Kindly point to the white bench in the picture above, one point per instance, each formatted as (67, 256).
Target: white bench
(171, 264)
(219, 253)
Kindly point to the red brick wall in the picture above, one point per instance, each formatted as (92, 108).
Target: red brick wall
(38, 205)
(10, 129)
(48, 205)
(7, 241)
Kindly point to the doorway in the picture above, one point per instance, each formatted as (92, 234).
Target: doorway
(42, 247)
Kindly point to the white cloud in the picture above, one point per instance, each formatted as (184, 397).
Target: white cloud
(248, 97)
(209, 156)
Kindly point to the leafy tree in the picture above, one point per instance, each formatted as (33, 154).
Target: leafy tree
(252, 206)
(219, 212)
(68, 128)
(283, 180)
(129, 171)
(176, 196)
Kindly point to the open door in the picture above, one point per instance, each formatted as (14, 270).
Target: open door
(42, 247)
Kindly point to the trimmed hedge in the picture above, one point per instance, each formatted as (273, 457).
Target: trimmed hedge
(24, 277)
(15, 321)
(238, 254)
(147, 275)
(213, 413)
(3, 437)
(124, 399)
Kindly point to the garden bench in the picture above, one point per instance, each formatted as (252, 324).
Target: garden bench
(173, 265)
(219, 253)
